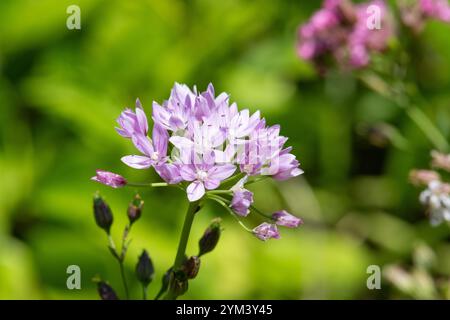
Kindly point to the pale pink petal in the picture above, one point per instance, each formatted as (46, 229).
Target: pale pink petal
(181, 142)
(221, 172)
(195, 191)
(211, 184)
(137, 162)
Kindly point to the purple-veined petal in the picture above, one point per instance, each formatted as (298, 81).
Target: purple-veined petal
(211, 184)
(143, 144)
(195, 191)
(221, 172)
(187, 172)
(137, 162)
(181, 142)
(160, 140)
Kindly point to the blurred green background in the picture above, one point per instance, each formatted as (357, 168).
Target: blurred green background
(61, 91)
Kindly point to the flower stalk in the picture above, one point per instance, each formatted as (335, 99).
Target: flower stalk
(193, 208)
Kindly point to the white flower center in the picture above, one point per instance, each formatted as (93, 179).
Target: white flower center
(201, 175)
(154, 156)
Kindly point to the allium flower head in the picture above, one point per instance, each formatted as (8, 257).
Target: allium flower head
(200, 142)
(202, 139)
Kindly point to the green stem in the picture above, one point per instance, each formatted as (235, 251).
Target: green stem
(260, 212)
(427, 127)
(228, 183)
(154, 184)
(120, 258)
(257, 179)
(223, 202)
(144, 292)
(124, 281)
(220, 192)
(374, 82)
(181, 251)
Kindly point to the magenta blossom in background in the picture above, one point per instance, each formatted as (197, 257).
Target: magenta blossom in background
(415, 14)
(110, 179)
(436, 9)
(285, 219)
(339, 30)
(266, 231)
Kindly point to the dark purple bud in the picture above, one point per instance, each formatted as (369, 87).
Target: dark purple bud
(105, 291)
(164, 283)
(178, 286)
(210, 238)
(102, 213)
(144, 269)
(135, 209)
(191, 267)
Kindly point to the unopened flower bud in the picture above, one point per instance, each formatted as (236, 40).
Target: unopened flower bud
(178, 286)
(266, 231)
(135, 209)
(165, 283)
(285, 219)
(102, 213)
(144, 269)
(191, 267)
(110, 179)
(105, 291)
(210, 238)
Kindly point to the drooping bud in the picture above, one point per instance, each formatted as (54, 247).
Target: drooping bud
(210, 238)
(102, 213)
(144, 269)
(110, 179)
(135, 209)
(191, 267)
(105, 291)
(285, 219)
(242, 198)
(266, 231)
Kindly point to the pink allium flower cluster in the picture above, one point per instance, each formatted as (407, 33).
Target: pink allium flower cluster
(339, 31)
(436, 9)
(201, 141)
